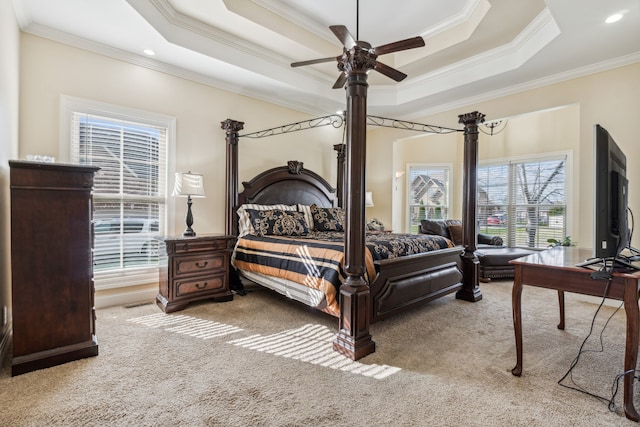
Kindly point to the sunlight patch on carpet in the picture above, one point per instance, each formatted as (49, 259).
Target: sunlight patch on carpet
(312, 344)
(192, 326)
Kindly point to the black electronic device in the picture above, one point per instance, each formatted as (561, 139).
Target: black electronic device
(611, 186)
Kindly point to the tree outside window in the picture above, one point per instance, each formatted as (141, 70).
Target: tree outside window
(524, 202)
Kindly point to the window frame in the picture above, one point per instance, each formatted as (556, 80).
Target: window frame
(408, 192)
(512, 205)
(68, 105)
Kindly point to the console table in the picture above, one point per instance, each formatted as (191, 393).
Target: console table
(556, 269)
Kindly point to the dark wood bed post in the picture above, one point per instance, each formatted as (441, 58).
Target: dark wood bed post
(470, 290)
(340, 148)
(353, 338)
(231, 128)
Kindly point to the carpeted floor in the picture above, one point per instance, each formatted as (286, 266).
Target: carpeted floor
(261, 360)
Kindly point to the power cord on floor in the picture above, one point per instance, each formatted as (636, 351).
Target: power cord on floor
(610, 402)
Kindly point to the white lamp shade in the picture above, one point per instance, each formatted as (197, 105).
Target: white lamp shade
(368, 199)
(188, 184)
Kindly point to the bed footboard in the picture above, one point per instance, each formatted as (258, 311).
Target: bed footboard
(402, 283)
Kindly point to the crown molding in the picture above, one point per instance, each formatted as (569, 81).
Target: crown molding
(531, 85)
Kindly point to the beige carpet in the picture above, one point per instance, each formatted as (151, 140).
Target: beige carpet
(261, 360)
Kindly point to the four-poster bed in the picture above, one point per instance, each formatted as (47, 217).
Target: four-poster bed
(396, 284)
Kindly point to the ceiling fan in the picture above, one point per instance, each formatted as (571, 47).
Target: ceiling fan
(354, 48)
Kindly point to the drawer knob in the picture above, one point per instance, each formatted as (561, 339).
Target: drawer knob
(185, 247)
(201, 265)
(201, 285)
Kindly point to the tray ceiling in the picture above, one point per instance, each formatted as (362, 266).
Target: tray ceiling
(475, 49)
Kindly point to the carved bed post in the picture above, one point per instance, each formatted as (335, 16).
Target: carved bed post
(340, 148)
(470, 290)
(231, 127)
(353, 338)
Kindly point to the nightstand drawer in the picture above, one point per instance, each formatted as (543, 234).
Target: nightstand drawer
(194, 269)
(211, 283)
(199, 264)
(200, 246)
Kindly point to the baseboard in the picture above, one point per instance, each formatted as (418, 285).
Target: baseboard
(5, 343)
(110, 299)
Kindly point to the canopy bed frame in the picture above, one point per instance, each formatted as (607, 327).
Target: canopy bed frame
(353, 338)
(400, 283)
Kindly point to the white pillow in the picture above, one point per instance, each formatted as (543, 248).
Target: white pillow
(244, 223)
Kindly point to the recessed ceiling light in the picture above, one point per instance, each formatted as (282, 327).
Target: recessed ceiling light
(613, 18)
(149, 52)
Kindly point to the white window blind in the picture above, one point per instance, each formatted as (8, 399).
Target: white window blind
(524, 202)
(130, 187)
(428, 193)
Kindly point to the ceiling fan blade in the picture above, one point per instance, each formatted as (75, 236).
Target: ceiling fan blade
(342, 79)
(399, 45)
(389, 72)
(314, 61)
(343, 35)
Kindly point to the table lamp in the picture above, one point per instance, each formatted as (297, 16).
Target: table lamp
(368, 199)
(191, 185)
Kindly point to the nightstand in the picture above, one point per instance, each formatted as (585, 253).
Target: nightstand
(193, 269)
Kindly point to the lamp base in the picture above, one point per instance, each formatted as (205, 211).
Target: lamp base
(189, 220)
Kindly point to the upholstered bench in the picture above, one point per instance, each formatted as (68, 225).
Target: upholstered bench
(494, 262)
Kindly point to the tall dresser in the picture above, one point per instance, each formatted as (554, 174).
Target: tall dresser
(51, 264)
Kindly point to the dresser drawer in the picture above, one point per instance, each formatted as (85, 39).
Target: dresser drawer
(190, 286)
(202, 264)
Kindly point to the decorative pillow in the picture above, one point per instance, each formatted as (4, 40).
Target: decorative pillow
(455, 230)
(244, 222)
(278, 223)
(435, 226)
(327, 219)
(490, 240)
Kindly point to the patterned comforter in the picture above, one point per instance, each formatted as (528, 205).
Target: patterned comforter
(316, 259)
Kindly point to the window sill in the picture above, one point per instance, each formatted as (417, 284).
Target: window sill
(125, 278)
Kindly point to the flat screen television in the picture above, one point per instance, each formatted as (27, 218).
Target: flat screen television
(611, 188)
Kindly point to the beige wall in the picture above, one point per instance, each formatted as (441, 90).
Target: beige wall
(9, 78)
(564, 119)
(50, 70)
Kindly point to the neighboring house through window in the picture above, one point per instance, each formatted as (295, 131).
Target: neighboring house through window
(129, 196)
(428, 193)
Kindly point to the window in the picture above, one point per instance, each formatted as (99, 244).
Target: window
(129, 195)
(524, 201)
(428, 193)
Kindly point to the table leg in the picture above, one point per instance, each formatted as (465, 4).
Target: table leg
(516, 300)
(631, 350)
(561, 303)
